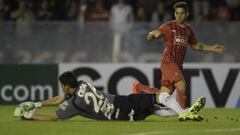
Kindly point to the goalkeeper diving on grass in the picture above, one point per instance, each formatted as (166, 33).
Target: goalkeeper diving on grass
(82, 99)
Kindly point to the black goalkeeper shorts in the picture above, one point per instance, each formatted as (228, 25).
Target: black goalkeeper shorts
(134, 107)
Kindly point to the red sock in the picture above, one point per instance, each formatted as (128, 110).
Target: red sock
(182, 99)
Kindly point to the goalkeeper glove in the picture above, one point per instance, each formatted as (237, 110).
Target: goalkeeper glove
(23, 107)
(26, 106)
(27, 115)
(38, 105)
(30, 105)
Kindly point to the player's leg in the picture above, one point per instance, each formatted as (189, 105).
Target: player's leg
(142, 104)
(138, 87)
(160, 110)
(173, 75)
(163, 111)
(163, 97)
(183, 114)
(167, 88)
(181, 93)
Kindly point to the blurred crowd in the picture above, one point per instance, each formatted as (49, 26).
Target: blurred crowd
(115, 10)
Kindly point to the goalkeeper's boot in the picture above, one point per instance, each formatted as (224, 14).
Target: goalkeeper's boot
(190, 116)
(197, 106)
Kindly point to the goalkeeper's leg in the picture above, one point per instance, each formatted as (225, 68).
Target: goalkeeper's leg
(138, 87)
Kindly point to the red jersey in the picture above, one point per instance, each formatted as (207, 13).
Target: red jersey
(176, 39)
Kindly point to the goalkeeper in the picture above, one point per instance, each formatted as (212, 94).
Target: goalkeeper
(82, 99)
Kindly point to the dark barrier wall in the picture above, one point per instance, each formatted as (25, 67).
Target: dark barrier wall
(20, 83)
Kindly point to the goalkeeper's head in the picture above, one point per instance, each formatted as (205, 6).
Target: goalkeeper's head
(68, 80)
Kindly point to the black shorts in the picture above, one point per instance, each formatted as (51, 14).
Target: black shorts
(134, 107)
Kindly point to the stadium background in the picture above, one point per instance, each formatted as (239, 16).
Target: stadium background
(41, 39)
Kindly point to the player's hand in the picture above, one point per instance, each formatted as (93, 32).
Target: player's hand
(150, 36)
(22, 108)
(38, 105)
(26, 106)
(218, 48)
(28, 114)
(26, 110)
(30, 105)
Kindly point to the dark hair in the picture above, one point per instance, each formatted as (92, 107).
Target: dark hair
(181, 4)
(69, 78)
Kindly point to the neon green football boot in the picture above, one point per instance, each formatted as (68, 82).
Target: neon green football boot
(190, 116)
(197, 106)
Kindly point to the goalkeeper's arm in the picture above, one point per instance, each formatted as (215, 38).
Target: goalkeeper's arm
(27, 110)
(49, 102)
(52, 101)
(41, 117)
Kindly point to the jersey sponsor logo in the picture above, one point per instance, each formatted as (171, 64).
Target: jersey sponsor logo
(179, 40)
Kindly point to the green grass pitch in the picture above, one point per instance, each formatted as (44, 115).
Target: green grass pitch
(217, 122)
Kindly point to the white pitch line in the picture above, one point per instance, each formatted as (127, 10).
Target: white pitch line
(188, 131)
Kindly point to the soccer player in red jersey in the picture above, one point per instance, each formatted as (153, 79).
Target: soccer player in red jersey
(177, 36)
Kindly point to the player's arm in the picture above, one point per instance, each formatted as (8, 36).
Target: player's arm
(53, 101)
(49, 102)
(155, 34)
(208, 48)
(41, 117)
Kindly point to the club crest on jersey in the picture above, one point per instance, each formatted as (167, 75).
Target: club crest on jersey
(178, 40)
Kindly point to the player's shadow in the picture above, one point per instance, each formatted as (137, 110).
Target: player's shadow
(123, 121)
